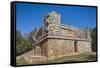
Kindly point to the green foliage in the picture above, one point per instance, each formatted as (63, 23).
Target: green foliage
(18, 37)
(19, 41)
(32, 37)
(24, 44)
(94, 39)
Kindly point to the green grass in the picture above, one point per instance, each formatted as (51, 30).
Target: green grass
(21, 61)
(74, 58)
(65, 59)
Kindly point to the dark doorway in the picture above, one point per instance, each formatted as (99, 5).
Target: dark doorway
(75, 47)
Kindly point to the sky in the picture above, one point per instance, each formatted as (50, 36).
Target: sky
(30, 16)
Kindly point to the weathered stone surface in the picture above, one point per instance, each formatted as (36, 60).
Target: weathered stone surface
(84, 46)
(58, 47)
(62, 39)
(56, 40)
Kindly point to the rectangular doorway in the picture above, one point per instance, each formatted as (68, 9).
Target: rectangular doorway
(75, 47)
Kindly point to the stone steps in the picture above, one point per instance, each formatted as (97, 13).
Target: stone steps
(30, 58)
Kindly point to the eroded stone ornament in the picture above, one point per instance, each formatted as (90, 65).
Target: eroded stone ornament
(52, 23)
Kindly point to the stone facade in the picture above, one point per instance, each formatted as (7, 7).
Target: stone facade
(55, 39)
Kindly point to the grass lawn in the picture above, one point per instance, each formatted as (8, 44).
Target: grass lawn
(66, 59)
(21, 61)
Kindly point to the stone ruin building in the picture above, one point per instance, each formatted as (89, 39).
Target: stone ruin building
(55, 39)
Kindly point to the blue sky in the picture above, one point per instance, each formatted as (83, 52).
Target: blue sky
(30, 16)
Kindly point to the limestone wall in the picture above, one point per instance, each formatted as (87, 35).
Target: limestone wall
(59, 47)
(40, 49)
(84, 46)
(44, 47)
(68, 32)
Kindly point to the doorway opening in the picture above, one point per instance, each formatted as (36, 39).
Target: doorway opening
(75, 47)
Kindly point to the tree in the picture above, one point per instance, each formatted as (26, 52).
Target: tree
(94, 39)
(19, 41)
(32, 36)
(18, 37)
(24, 44)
